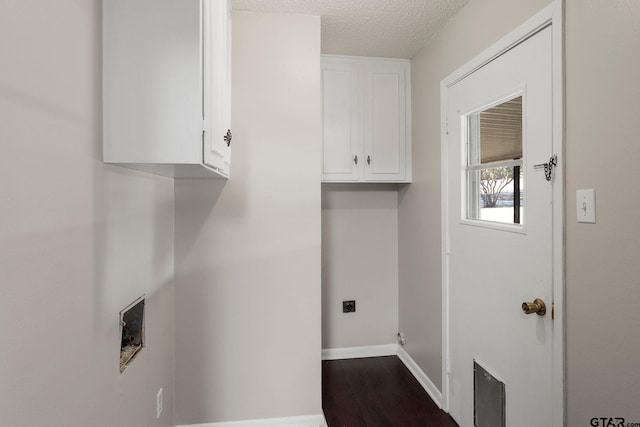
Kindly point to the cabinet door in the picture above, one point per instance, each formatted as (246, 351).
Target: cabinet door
(152, 89)
(385, 125)
(217, 84)
(342, 144)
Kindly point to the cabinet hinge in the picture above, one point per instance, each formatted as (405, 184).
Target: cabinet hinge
(446, 126)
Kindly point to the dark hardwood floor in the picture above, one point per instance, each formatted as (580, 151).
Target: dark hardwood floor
(376, 392)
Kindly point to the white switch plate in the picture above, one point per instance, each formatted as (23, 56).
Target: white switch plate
(586, 205)
(159, 403)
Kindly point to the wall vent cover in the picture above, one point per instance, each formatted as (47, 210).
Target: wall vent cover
(488, 399)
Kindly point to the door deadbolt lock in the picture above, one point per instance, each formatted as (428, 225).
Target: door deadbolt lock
(537, 306)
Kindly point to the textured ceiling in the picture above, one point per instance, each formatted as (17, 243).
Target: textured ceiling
(384, 28)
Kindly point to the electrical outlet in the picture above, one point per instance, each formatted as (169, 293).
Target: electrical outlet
(159, 403)
(349, 306)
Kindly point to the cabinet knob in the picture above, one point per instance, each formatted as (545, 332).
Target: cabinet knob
(355, 159)
(228, 137)
(368, 160)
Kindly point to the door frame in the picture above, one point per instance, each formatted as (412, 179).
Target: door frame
(552, 15)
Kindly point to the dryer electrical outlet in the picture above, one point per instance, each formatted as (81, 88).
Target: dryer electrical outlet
(349, 306)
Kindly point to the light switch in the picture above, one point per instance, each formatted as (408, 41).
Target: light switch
(586, 205)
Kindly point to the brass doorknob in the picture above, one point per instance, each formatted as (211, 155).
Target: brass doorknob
(537, 307)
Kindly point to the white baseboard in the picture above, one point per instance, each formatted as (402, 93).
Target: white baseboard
(357, 352)
(302, 421)
(423, 379)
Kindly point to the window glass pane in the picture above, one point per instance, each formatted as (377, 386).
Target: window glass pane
(495, 181)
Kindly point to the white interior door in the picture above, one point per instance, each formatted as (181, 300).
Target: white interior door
(497, 258)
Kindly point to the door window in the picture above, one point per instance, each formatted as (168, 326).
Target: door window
(495, 180)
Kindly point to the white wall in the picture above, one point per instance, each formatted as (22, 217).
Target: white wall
(79, 240)
(359, 261)
(248, 340)
(474, 28)
(602, 152)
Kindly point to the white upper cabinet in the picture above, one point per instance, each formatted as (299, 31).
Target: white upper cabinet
(166, 86)
(366, 120)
